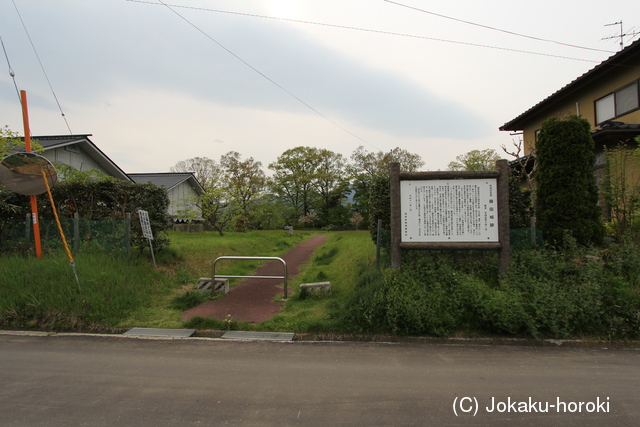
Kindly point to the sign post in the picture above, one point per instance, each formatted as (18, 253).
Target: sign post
(146, 231)
(450, 210)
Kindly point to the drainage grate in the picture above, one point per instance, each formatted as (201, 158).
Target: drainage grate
(248, 335)
(156, 332)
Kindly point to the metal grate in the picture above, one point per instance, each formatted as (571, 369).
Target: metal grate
(249, 335)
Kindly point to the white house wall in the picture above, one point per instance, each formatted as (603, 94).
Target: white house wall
(183, 198)
(76, 158)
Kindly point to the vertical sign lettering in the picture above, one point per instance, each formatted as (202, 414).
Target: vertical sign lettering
(449, 210)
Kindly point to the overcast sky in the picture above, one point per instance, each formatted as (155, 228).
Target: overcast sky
(155, 84)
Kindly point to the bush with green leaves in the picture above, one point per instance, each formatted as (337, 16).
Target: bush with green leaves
(567, 194)
(103, 199)
(379, 204)
(569, 292)
(621, 189)
(519, 204)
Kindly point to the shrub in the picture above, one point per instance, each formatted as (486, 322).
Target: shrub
(104, 199)
(567, 195)
(568, 292)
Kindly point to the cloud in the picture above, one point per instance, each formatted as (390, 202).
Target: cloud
(95, 52)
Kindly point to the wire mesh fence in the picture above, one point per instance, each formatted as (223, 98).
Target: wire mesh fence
(114, 236)
(521, 239)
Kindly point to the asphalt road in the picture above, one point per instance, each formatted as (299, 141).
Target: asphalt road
(71, 380)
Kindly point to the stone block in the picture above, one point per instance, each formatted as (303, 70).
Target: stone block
(318, 287)
(221, 285)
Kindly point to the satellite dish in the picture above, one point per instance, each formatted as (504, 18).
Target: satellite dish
(22, 173)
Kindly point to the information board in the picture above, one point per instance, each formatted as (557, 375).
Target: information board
(456, 210)
(145, 224)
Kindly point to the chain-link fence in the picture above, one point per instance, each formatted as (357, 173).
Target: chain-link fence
(526, 238)
(81, 234)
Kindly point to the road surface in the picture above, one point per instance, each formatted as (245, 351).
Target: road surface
(106, 380)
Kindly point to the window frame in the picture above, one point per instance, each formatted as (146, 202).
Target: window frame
(617, 114)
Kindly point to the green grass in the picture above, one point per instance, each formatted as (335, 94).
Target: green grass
(574, 292)
(340, 261)
(197, 251)
(43, 292)
(115, 293)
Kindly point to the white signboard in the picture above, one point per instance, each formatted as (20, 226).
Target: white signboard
(457, 210)
(145, 224)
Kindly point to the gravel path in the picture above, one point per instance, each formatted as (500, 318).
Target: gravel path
(251, 300)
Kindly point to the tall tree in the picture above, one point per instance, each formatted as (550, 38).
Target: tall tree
(331, 182)
(292, 180)
(207, 171)
(368, 168)
(475, 160)
(214, 202)
(246, 182)
(567, 195)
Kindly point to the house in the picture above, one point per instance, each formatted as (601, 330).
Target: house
(80, 152)
(608, 96)
(183, 190)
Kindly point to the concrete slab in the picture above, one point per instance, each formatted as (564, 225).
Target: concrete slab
(158, 332)
(250, 335)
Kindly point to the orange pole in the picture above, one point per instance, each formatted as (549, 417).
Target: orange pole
(27, 145)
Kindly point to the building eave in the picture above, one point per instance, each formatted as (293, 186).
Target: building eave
(600, 70)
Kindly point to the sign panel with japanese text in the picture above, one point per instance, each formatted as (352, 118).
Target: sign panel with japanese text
(456, 210)
(145, 224)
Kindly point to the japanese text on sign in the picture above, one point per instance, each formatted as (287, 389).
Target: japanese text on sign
(449, 210)
(145, 224)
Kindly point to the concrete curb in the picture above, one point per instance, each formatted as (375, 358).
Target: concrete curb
(328, 338)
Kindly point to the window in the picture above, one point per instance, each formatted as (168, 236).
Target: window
(618, 103)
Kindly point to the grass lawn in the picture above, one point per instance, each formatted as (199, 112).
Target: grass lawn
(115, 293)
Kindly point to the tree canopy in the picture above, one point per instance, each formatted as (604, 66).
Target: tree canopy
(475, 160)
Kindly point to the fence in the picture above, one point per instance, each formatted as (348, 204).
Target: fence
(520, 239)
(16, 236)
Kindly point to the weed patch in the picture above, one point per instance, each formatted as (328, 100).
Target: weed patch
(189, 300)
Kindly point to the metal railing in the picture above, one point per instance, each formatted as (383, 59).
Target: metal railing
(284, 264)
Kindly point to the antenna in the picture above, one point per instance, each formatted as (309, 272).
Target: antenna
(622, 34)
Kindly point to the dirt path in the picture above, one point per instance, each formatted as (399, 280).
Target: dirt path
(251, 300)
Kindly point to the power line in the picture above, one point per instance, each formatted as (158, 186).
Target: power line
(42, 67)
(11, 72)
(497, 29)
(265, 76)
(391, 33)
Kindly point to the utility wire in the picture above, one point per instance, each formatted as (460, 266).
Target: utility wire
(42, 67)
(496, 29)
(391, 33)
(11, 72)
(264, 75)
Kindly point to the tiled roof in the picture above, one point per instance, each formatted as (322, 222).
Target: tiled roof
(613, 129)
(55, 140)
(613, 61)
